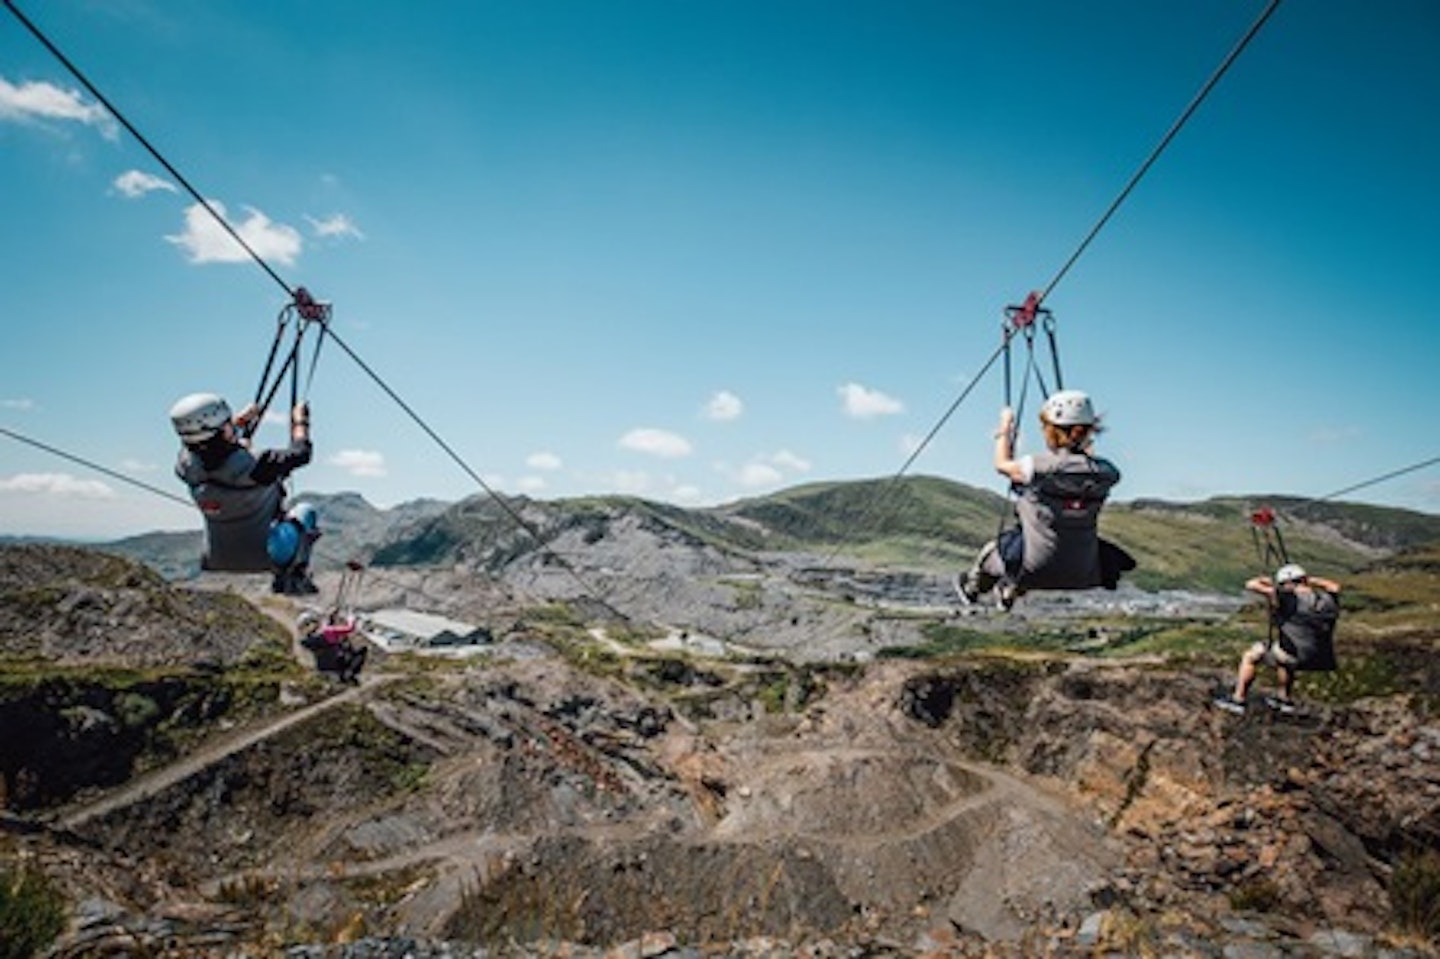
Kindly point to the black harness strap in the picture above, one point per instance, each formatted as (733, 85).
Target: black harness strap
(304, 310)
(1270, 550)
(1022, 320)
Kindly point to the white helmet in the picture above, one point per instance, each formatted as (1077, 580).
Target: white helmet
(1289, 573)
(307, 620)
(1068, 408)
(199, 416)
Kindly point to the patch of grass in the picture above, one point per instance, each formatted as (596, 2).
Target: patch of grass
(1361, 675)
(409, 777)
(747, 595)
(941, 640)
(1415, 895)
(1195, 641)
(1257, 894)
(32, 912)
(135, 709)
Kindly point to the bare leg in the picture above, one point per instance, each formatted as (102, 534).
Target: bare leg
(1287, 681)
(1246, 676)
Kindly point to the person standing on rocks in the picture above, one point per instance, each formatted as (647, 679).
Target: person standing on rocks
(1303, 612)
(1060, 493)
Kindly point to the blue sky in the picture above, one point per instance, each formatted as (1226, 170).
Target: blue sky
(704, 250)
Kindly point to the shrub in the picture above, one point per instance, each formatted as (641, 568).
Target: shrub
(32, 913)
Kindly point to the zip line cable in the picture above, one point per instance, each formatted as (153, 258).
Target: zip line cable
(320, 549)
(159, 158)
(510, 511)
(1371, 482)
(98, 468)
(1160, 147)
(885, 491)
(1038, 299)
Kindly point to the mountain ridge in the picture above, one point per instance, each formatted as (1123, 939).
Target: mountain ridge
(923, 523)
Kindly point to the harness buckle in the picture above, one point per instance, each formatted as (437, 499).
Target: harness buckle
(310, 309)
(1264, 517)
(1024, 316)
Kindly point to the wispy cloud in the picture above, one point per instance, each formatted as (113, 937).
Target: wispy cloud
(136, 183)
(530, 484)
(771, 470)
(723, 407)
(337, 225)
(138, 466)
(39, 101)
(55, 484)
(661, 443)
(205, 241)
(20, 403)
(359, 462)
(543, 461)
(863, 403)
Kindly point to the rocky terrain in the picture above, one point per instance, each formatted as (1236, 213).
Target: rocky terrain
(693, 749)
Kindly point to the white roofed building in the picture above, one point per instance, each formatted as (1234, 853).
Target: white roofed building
(396, 630)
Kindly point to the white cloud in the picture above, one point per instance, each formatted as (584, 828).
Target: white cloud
(863, 403)
(206, 241)
(723, 407)
(136, 466)
(530, 484)
(787, 460)
(21, 404)
(685, 493)
(755, 475)
(360, 462)
(335, 225)
(543, 460)
(134, 183)
(763, 471)
(661, 443)
(45, 101)
(909, 443)
(55, 484)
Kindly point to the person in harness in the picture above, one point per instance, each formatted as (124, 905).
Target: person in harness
(1060, 493)
(333, 645)
(242, 494)
(1303, 612)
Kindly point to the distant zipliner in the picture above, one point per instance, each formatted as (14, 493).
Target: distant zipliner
(1058, 493)
(241, 494)
(331, 638)
(1300, 637)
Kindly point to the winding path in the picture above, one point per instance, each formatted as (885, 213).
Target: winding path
(156, 781)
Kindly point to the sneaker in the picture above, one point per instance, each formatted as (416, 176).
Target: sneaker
(1230, 704)
(965, 588)
(1005, 596)
(1285, 706)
